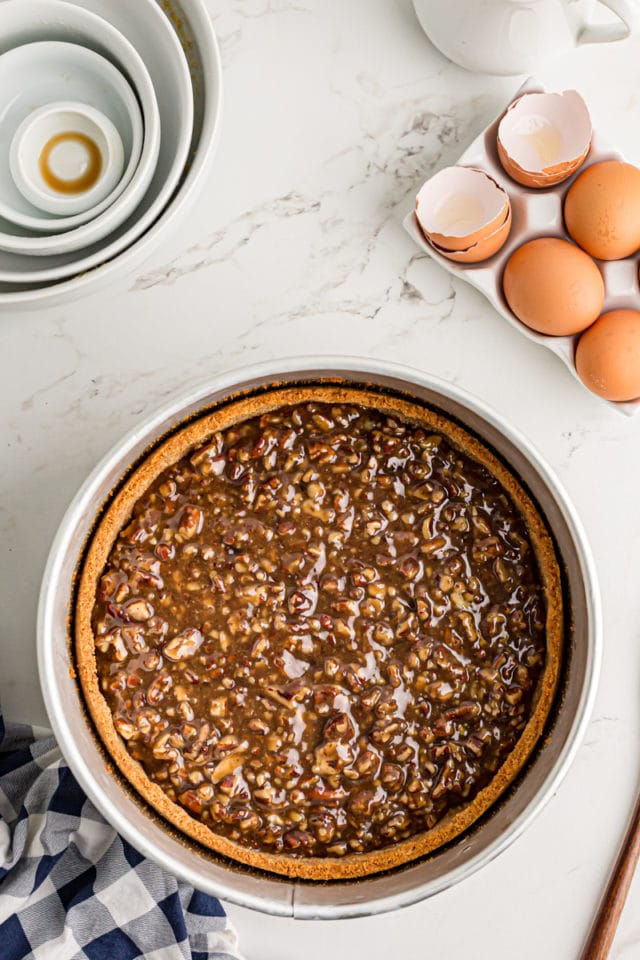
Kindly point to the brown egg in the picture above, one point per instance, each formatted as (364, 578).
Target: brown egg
(553, 287)
(608, 356)
(602, 210)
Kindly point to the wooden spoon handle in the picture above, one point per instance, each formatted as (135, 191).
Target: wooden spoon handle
(604, 926)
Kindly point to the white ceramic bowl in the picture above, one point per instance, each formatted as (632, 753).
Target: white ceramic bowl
(23, 21)
(69, 141)
(36, 75)
(142, 161)
(66, 142)
(117, 49)
(115, 207)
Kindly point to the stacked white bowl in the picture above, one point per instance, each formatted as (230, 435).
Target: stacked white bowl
(109, 115)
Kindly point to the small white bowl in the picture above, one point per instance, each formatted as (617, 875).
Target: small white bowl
(19, 244)
(37, 74)
(57, 149)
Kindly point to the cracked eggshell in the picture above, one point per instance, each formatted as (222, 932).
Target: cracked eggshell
(483, 249)
(464, 214)
(544, 138)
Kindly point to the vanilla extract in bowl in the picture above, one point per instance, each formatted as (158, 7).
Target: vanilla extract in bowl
(70, 163)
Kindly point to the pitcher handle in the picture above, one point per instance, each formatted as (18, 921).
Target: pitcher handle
(629, 13)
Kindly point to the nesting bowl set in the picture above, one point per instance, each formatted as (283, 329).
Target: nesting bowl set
(110, 114)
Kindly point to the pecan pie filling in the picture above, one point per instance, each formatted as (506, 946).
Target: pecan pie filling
(321, 631)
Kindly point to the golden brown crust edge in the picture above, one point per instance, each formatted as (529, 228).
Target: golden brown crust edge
(117, 514)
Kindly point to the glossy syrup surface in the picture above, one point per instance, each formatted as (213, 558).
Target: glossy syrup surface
(321, 630)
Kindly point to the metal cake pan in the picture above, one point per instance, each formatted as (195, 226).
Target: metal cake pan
(445, 867)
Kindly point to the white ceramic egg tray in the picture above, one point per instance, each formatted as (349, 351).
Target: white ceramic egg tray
(536, 213)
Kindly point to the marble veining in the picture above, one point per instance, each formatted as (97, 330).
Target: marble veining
(335, 112)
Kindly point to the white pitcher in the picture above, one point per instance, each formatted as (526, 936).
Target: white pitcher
(516, 36)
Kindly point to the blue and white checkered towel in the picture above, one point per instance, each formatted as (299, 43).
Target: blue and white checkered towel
(71, 888)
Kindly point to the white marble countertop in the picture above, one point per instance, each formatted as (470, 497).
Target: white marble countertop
(335, 111)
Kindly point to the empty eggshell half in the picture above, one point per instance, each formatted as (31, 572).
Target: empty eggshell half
(544, 138)
(464, 214)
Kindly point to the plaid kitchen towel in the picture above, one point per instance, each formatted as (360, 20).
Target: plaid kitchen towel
(71, 888)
